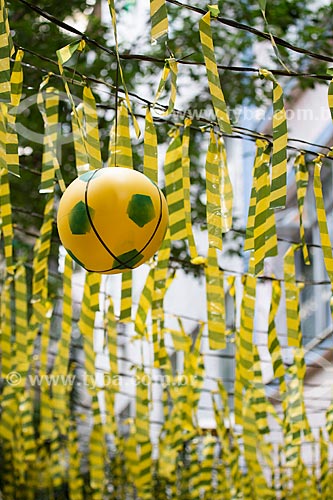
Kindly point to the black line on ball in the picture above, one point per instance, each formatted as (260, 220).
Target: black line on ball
(96, 232)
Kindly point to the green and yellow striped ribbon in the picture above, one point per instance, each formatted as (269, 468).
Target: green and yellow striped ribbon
(91, 127)
(131, 456)
(145, 466)
(214, 83)
(145, 303)
(112, 339)
(94, 284)
(194, 471)
(274, 346)
(302, 179)
(142, 407)
(170, 67)
(329, 421)
(64, 55)
(187, 187)
(160, 277)
(207, 465)
(120, 148)
(258, 399)
(261, 230)
(16, 84)
(244, 342)
(174, 188)
(81, 155)
(6, 51)
(213, 190)
(28, 431)
(150, 156)
(97, 452)
(181, 341)
(292, 299)
(215, 302)
(48, 104)
(249, 240)
(75, 480)
(322, 221)
(6, 225)
(61, 363)
(280, 141)
(126, 297)
(128, 102)
(46, 426)
(250, 440)
(226, 188)
(264, 231)
(86, 327)
(159, 20)
(41, 253)
(21, 319)
(8, 357)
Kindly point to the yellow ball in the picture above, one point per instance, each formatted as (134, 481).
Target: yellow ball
(112, 219)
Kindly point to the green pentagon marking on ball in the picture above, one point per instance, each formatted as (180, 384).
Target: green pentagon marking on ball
(78, 218)
(129, 259)
(141, 209)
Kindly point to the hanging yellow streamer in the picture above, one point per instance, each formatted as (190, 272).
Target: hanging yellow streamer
(128, 102)
(7, 51)
(159, 20)
(215, 302)
(244, 342)
(170, 67)
(142, 406)
(60, 367)
(75, 480)
(150, 158)
(261, 230)
(274, 346)
(16, 84)
(226, 188)
(6, 225)
(126, 297)
(322, 221)
(213, 190)
(41, 255)
(120, 148)
(187, 188)
(280, 141)
(302, 178)
(214, 83)
(92, 132)
(81, 155)
(174, 188)
(86, 327)
(292, 299)
(145, 304)
(48, 106)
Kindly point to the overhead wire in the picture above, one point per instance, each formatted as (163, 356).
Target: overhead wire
(229, 22)
(261, 34)
(244, 132)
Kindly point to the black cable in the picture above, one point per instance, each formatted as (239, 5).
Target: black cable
(254, 31)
